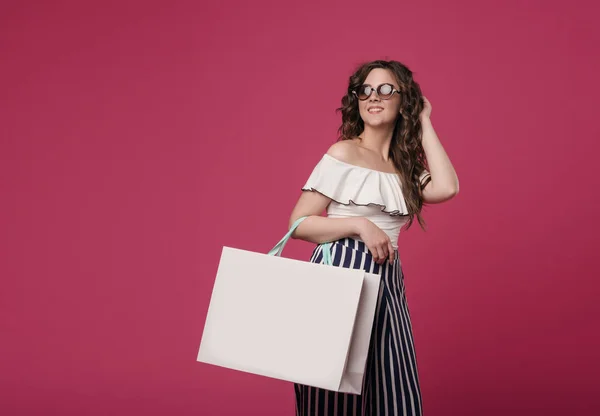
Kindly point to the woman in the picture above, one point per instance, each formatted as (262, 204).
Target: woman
(372, 182)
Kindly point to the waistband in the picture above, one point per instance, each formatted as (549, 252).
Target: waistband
(355, 244)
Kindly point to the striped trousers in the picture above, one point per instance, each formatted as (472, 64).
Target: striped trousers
(391, 383)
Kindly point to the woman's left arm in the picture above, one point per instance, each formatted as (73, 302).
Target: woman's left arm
(444, 181)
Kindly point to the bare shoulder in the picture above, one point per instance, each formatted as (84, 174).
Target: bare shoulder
(344, 150)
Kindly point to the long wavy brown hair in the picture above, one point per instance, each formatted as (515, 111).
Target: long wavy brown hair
(406, 149)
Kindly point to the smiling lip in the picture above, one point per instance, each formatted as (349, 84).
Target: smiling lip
(375, 109)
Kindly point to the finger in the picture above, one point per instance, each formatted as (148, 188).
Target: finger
(381, 254)
(387, 252)
(373, 251)
(392, 252)
(384, 248)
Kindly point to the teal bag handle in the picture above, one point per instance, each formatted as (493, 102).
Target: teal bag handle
(326, 247)
(278, 249)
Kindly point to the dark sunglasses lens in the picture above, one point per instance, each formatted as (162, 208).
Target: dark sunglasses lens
(364, 91)
(385, 90)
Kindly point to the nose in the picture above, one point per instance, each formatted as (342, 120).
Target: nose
(374, 96)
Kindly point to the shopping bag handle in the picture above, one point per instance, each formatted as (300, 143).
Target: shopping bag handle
(278, 249)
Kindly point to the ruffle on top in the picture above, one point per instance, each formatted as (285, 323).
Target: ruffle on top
(345, 184)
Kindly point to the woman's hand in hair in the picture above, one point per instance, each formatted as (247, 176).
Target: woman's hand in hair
(426, 112)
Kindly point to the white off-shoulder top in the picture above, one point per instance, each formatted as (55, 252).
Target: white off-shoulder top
(357, 191)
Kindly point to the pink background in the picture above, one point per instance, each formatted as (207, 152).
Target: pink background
(138, 138)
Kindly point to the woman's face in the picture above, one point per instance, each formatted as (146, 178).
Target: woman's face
(376, 111)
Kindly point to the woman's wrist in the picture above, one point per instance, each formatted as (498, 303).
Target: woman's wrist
(425, 121)
(358, 225)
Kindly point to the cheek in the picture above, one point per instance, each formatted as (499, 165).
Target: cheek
(362, 109)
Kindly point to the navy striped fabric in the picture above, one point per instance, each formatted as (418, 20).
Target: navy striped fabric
(391, 383)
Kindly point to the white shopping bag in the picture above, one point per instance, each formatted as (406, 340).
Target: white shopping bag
(292, 320)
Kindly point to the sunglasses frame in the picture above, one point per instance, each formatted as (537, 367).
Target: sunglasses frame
(377, 91)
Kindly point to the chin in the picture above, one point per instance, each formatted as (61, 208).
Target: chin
(378, 122)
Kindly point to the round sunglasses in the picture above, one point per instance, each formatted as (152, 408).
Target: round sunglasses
(384, 91)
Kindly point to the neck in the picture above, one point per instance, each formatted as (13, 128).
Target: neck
(378, 140)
